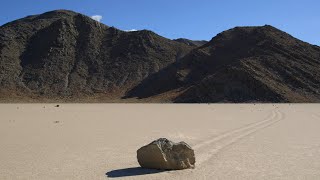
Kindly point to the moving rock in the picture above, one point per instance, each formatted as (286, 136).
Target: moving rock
(166, 155)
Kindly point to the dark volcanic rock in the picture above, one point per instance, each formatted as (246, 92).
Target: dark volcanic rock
(248, 64)
(245, 64)
(166, 155)
(191, 42)
(63, 53)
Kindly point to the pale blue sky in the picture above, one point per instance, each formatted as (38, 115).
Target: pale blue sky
(193, 19)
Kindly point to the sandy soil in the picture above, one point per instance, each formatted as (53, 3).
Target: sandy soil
(99, 141)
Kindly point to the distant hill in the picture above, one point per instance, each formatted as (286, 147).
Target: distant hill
(191, 42)
(63, 55)
(243, 64)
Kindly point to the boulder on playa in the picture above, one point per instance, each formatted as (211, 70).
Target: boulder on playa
(166, 155)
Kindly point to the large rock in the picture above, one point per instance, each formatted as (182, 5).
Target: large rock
(167, 155)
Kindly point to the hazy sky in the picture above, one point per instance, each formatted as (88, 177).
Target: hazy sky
(193, 19)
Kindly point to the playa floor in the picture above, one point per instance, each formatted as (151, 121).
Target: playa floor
(99, 141)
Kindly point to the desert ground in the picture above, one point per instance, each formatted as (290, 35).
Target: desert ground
(99, 141)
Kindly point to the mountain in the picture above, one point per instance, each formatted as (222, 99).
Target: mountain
(191, 42)
(243, 64)
(63, 53)
(66, 55)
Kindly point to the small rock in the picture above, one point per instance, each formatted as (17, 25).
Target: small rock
(166, 155)
(57, 105)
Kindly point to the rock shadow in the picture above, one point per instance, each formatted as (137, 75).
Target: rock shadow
(127, 172)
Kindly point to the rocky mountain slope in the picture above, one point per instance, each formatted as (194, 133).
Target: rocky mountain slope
(191, 42)
(63, 54)
(244, 64)
(253, 64)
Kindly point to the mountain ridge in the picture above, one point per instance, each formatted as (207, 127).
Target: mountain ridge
(61, 52)
(63, 55)
(246, 55)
